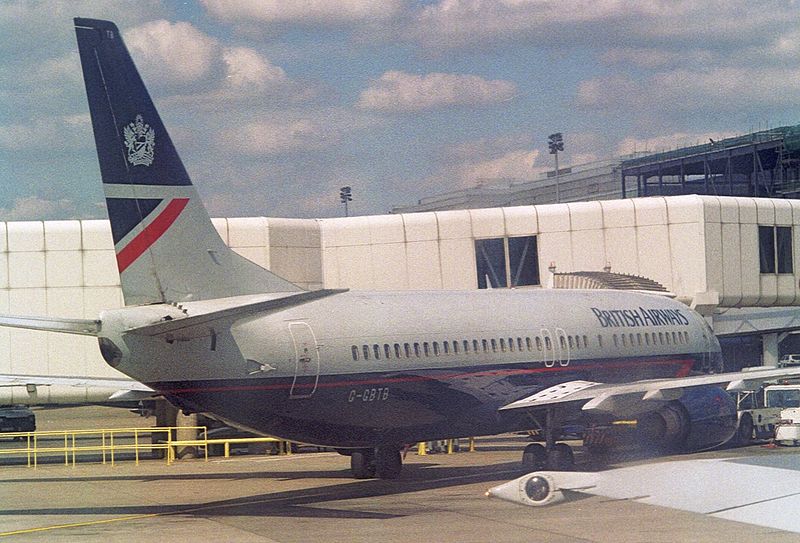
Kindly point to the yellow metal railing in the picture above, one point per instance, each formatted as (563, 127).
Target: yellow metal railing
(111, 443)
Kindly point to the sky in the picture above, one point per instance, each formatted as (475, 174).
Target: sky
(276, 104)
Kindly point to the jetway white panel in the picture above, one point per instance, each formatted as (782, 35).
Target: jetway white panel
(751, 284)
(714, 257)
(66, 355)
(97, 235)
(554, 248)
(748, 214)
(650, 211)
(729, 211)
(521, 221)
(248, 232)
(257, 255)
(588, 250)
(684, 209)
(553, 218)
(62, 235)
(688, 259)
(795, 212)
(65, 302)
(711, 210)
(783, 212)
(221, 226)
(618, 213)
(389, 266)
(100, 268)
(731, 265)
(386, 229)
(765, 211)
(769, 289)
(297, 264)
(488, 223)
(424, 271)
(5, 333)
(458, 264)
(330, 268)
(26, 270)
(3, 237)
(346, 232)
(295, 232)
(98, 299)
(454, 224)
(420, 226)
(64, 268)
(355, 268)
(3, 270)
(787, 292)
(25, 236)
(656, 265)
(585, 216)
(622, 250)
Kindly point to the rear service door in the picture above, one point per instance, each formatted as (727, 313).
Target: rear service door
(306, 369)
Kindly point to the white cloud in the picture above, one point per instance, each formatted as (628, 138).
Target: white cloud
(516, 164)
(264, 137)
(58, 134)
(246, 68)
(653, 58)
(172, 53)
(306, 12)
(400, 91)
(33, 208)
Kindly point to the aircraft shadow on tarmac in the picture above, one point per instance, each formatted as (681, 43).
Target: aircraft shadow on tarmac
(296, 503)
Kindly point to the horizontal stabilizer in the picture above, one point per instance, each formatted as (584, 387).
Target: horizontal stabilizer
(84, 327)
(197, 325)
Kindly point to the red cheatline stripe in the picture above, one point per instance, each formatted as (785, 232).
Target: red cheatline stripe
(681, 362)
(150, 234)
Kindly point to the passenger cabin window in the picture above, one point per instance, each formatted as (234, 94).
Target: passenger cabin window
(365, 350)
(354, 350)
(377, 350)
(436, 348)
(397, 352)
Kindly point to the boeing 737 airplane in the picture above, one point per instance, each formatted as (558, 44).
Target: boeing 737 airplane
(367, 372)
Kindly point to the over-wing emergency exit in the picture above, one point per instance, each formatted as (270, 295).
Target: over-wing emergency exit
(368, 372)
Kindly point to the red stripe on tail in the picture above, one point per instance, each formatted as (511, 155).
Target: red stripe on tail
(151, 233)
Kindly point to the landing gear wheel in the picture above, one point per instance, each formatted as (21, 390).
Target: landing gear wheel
(388, 462)
(560, 458)
(744, 434)
(362, 464)
(534, 457)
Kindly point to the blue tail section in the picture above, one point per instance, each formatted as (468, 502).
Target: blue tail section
(167, 248)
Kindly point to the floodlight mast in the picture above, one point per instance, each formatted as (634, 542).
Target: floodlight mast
(346, 195)
(556, 143)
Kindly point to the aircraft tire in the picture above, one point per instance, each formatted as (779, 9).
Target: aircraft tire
(534, 457)
(362, 464)
(560, 458)
(744, 434)
(388, 463)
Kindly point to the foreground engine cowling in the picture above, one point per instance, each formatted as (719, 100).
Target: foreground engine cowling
(702, 418)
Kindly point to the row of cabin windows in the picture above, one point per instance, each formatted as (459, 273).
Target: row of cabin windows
(538, 343)
(435, 348)
(643, 339)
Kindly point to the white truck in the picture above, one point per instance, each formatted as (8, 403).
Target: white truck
(761, 410)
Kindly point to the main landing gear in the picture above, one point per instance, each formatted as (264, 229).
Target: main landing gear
(551, 456)
(382, 462)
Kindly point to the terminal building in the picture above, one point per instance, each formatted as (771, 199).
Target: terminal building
(734, 259)
(761, 164)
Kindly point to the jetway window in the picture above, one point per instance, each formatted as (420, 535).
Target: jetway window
(775, 249)
(503, 262)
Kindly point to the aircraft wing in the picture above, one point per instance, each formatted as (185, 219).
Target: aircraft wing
(639, 396)
(75, 389)
(760, 490)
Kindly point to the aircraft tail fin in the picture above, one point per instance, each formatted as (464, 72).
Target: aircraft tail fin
(167, 248)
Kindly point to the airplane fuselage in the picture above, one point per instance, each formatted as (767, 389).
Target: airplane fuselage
(360, 369)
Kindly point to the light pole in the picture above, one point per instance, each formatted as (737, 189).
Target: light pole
(556, 144)
(345, 195)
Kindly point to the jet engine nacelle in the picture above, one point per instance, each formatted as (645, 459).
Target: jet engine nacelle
(536, 489)
(702, 418)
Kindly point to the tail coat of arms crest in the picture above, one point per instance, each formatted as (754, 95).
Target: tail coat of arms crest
(140, 140)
